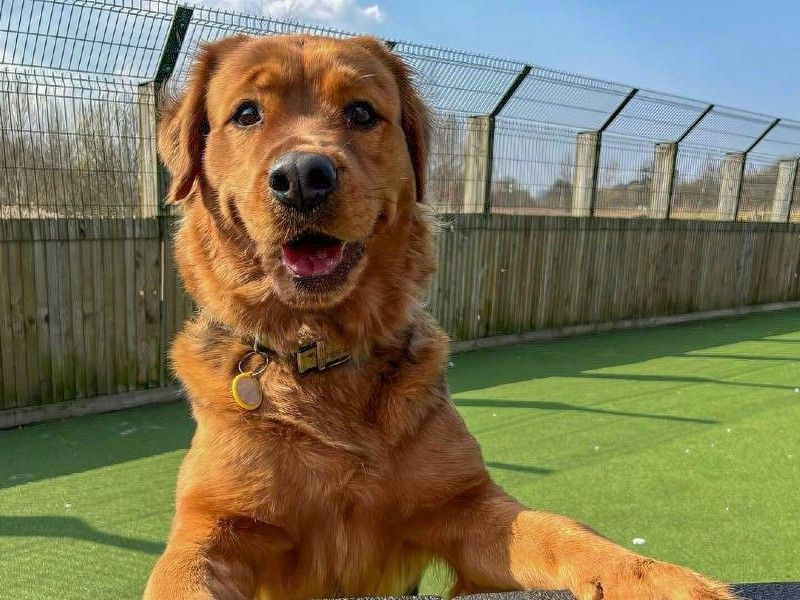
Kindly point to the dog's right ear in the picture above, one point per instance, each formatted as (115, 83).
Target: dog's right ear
(184, 124)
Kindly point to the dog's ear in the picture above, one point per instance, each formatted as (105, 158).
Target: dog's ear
(416, 121)
(184, 124)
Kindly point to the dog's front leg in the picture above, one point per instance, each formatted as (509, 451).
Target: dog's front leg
(203, 560)
(493, 543)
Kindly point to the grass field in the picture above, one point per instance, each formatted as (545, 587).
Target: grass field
(687, 437)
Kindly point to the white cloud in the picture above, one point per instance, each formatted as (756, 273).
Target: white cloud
(341, 13)
(374, 13)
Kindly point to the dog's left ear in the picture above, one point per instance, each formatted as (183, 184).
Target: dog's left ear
(416, 121)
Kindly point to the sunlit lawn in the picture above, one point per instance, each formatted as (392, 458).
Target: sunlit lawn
(686, 437)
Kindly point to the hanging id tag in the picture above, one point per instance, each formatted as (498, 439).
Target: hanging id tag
(245, 388)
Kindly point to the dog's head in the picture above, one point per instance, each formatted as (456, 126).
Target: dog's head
(300, 164)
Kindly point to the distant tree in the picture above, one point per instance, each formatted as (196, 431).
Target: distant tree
(64, 155)
(507, 192)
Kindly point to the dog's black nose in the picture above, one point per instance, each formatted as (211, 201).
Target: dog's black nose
(302, 180)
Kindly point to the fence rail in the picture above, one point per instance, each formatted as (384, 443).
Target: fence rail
(536, 172)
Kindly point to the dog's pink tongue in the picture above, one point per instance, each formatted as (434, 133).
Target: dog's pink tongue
(308, 259)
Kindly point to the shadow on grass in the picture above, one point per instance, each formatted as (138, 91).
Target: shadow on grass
(563, 406)
(683, 379)
(84, 443)
(742, 356)
(571, 357)
(72, 528)
(519, 468)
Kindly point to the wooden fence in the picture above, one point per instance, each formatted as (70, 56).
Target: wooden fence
(511, 274)
(88, 307)
(85, 309)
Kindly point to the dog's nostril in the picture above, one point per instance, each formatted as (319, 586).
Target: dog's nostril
(319, 179)
(279, 182)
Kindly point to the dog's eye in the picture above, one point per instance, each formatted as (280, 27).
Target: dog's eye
(360, 115)
(247, 114)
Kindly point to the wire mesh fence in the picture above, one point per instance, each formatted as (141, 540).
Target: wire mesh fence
(545, 189)
(70, 146)
(509, 137)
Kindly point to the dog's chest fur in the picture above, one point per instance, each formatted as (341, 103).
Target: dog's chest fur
(319, 467)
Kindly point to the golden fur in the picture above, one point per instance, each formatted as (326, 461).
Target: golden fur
(349, 481)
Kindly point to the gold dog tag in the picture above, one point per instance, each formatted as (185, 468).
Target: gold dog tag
(246, 391)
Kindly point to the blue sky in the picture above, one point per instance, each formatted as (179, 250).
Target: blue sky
(739, 53)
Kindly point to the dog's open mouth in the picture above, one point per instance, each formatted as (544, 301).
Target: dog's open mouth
(319, 263)
(312, 254)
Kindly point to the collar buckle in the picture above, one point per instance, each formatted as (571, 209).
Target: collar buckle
(313, 356)
(307, 358)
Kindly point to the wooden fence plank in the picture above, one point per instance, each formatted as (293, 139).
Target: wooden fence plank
(137, 317)
(54, 313)
(131, 249)
(88, 314)
(16, 313)
(31, 348)
(98, 256)
(8, 392)
(65, 307)
(77, 298)
(115, 304)
(44, 367)
(152, 306)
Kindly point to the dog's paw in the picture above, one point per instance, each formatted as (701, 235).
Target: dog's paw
(645, 579)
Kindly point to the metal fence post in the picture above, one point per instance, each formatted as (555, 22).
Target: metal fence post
(166, 65)
(584, 185)
(149, 203)
(587, 163)
(156, 177)
(784, 189)
(666, 155)
(665, 163)
(477, 164)
(172, 46)
(480, 153)
(730, 188)
(152, 175)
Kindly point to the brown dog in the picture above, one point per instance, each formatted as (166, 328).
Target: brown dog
(300, 162)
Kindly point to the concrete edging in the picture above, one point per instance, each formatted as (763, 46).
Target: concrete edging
(17, 417)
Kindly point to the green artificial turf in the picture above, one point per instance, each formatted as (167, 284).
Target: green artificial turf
(686, 437)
